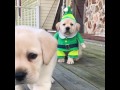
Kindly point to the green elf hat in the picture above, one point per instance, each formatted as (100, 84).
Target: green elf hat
(68, 14)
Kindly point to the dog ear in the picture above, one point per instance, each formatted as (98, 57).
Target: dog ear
(77, 26)
(48, 46)
(58, 26)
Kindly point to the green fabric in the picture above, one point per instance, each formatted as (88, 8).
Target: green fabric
(70, 53)
(67, 41)
(73, 56)
(68, 14)
(73, 53)
(62, 55)
(69, 11)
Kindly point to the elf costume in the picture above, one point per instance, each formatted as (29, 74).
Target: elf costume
(69, 45)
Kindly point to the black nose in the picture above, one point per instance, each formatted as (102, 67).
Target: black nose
(67, 28)
(19, 76)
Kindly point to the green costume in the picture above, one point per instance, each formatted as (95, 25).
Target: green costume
(69, 45)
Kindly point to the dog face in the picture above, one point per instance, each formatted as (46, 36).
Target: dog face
(68, 27)
(33, 48)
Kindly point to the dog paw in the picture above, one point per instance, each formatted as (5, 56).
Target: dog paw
(83, 45)
(70, 61)
(52, 80)
(61, 60)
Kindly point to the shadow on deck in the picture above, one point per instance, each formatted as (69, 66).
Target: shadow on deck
(86, 74)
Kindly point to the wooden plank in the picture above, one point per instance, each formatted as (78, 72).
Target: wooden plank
(48, 27)
(45, 15)
(93, 79)
(94, 58)
(91, 55)
(47, 5)
(47, 9)
(95, 46)
(94, 41)
(56, 86)
(30, 3)
(71, 81)
(47, 1)
(95, 50)
(47, 12)
(93, 62)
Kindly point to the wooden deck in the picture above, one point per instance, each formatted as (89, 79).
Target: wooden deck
(86, 74)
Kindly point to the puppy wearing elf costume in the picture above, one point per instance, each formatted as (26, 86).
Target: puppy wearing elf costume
(69, 39)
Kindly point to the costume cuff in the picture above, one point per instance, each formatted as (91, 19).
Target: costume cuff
(82, 43)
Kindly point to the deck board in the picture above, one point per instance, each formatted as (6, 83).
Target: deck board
(70, 81)
(56, 86)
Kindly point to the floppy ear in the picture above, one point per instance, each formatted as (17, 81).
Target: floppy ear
(58, 26)
(77, 26)
(48, 46)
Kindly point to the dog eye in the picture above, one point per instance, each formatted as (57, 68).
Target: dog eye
(31, 56)
(63, 24)
(71, 24)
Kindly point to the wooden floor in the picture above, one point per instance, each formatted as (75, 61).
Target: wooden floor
(86, 74)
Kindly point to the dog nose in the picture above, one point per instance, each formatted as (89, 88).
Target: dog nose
(19, 76)
(67, 28)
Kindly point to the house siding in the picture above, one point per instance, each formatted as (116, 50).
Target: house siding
(48, 9)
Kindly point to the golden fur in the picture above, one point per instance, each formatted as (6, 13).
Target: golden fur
(39, 70)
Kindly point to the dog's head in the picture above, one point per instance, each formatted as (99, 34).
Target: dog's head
(33, 49)
(68, 27)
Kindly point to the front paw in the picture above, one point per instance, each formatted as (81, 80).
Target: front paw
(61, 60)
(70, 61)
(52, 80)
(83, 45)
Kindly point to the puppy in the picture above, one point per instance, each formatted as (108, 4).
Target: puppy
(35, 58)
(69, 41)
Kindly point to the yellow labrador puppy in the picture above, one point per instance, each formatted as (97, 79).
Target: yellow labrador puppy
(35, 58)
(67, 30)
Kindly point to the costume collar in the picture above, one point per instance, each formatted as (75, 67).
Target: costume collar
(63, 37)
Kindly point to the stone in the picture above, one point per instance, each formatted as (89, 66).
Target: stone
(94, 17)
(93, 1)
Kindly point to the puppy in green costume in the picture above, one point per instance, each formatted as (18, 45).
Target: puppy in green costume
(68, 37)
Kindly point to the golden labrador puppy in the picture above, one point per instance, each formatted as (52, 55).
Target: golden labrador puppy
(35, 58)
(67, 33)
